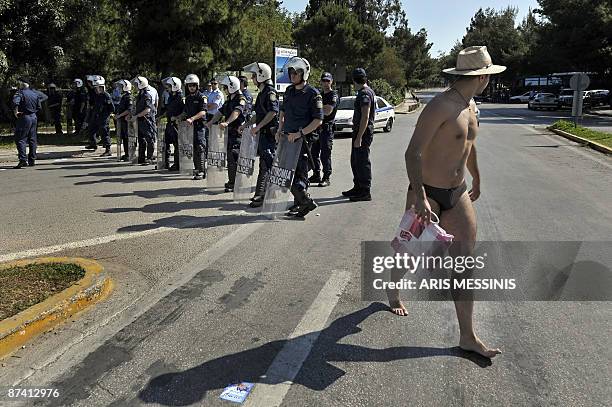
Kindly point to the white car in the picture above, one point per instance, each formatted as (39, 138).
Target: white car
(383, 118)
(524, 98)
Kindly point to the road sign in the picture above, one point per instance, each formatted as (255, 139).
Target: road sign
(579, 81)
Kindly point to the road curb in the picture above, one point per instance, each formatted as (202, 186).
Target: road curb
(594, 145)
(93, 287)
(411, 108)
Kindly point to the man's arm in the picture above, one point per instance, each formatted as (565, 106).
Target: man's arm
(267, 119)
(472, 166)
(363, 124)
(430, 120)
(281, 125)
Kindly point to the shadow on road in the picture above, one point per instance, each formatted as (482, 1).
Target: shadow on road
(174, 207)
(190, 386)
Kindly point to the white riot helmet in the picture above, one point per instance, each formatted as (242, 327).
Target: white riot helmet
(192, 78)
(262, 70)
(232, 83)
(299, 64)
(97, 80)
(173, 82)
(78, 83)
(124, 85)
(89, 78)
(141, 82)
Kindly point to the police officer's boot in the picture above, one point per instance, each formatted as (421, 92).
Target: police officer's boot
(106, 153)
(315, 178)
(20, 165)
(306, 205)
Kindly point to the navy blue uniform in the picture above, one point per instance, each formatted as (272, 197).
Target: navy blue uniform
(91, 98)
(98, 121)
(234, 103)
(267, 101)
(55, 108)
(28, 103)
(360, 157)
(146, 126)
(194, 104)
(174, 107)
(300, 107)
(124, 104)
(323, 146)
(79, 108)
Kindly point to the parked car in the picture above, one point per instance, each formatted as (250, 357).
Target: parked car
(598, 97)
(524, 98)
(544, 101)
(566, 97)
(383, 118)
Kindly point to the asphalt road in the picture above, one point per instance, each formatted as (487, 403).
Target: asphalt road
(208, 294)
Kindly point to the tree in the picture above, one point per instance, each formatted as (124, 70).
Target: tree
(262, 25)
(578, 34)
(32, 37)
(496, 30)
(389, 66)
(97, 40)
(187, 36)
(419, 68)
(334, 36)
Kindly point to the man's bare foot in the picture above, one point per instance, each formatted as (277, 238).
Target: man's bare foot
(474, 344)
(398, 308)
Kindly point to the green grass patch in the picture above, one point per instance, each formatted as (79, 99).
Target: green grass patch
(25, 286)
(589, 134)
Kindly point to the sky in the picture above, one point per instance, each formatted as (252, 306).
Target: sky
(444, 20)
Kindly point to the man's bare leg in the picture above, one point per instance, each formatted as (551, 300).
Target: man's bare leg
(460, 221)
(395, 303)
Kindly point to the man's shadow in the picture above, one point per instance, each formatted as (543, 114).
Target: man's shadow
(317, 373)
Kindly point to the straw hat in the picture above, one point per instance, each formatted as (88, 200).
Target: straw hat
(474, 61)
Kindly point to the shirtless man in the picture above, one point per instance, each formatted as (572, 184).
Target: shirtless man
(442, 146)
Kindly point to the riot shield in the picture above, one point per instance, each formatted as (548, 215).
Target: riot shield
(119, 140)
(243, 185)
(133, 141)
(185, 143)
(216, 158)
(160, 163)
(278, 192)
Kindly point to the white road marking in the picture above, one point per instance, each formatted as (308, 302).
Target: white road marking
(279, 377)
(102, 240)
(72, 353)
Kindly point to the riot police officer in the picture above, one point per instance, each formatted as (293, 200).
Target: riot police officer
(100, 113)
(301, 114)
(323, 146)
(363, 133)
(195, 110)
(55, 108)
(266, 121)
(123, 111)
(79, 105)
(145, 114)
(233, 118)
(26, 103)
(173, 109)
(91, 96)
